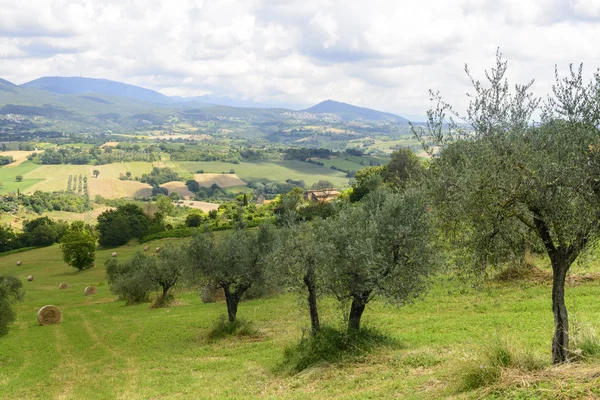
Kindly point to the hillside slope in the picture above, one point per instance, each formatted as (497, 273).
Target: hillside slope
(349, 112)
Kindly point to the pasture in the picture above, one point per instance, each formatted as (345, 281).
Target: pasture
(105, 350)
(8, 175)
(271, 171)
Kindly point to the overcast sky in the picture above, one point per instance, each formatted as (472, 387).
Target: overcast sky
(382, 54)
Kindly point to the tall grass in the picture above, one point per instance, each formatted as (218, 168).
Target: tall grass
(495, 357)
(331, 345)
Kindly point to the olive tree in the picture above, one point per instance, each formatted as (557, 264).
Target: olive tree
(503, 180)
(129, 280)
(10, 292)
(297, 258)
(234, 263)
(382, 247)
(166, 269)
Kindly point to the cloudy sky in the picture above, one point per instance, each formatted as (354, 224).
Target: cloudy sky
(382, 54)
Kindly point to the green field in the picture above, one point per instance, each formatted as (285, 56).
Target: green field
(351, 163)
(105, 350)
(8, 174)
(272, 171)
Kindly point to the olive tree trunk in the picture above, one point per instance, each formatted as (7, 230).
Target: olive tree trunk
(232, 298)
(310, 282)
(359, 302)
(560, 342)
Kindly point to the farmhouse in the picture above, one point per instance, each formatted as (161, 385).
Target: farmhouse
(321, 195)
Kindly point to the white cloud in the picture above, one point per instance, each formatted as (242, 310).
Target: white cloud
(379, 54)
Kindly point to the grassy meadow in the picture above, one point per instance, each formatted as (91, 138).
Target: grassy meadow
(271, 171)
(106, 350)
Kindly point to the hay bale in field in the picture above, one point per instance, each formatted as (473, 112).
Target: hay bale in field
(49, 315)
(63, 285)
(93, 264)
(114, 254)
(30, 278)
(146, 248)
(158, 249)
(18, 263)
(90, 290)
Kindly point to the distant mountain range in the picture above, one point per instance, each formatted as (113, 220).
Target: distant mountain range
(88, 101)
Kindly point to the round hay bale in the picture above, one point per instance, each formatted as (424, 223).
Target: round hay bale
(158, 249)
(206, 295)
(49, 315)
(90, 290)
(146, 248)
(114, 254)
(30, 278)
(18, 263)
(93, 264)
(63, 285)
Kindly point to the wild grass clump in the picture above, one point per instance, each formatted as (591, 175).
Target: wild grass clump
(488, 368)
(161, 302)
(330, 346)
(585, 343)
(222, 328)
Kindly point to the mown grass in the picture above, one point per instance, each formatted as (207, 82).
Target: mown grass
(106, 350)
(8, 175)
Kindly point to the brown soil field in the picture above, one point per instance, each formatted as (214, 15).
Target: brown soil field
(223, 180)
(178, 187)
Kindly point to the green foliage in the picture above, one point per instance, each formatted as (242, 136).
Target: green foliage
(158, 176)
(5, 160)
(235, 263)
(192, 185)
(166, 270)
(117, 227)
(10, 292)
(322, 185)
(9, 239)
(382, 247)
(78, 246)
(44, 201)
(129, 280)
(194, 220)
(365, 181)
(19, 178)
(164, 204)
(507, 184)
(329, 346)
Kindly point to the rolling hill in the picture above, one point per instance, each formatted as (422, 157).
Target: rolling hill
(348, 112)
(77, 85)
